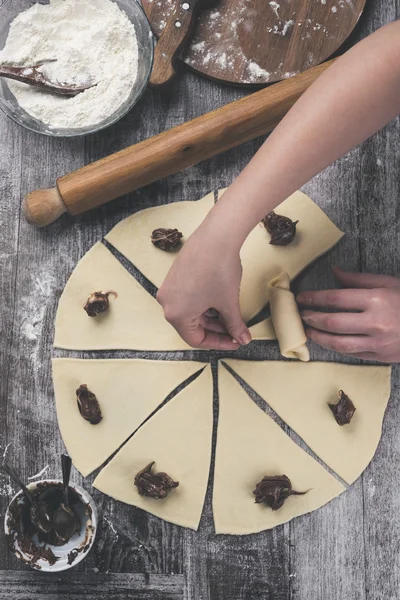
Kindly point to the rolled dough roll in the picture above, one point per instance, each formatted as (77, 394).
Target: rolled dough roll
(286, 319)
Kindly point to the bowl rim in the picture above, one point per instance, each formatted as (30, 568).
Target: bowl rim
(86, 497)
(118, 116)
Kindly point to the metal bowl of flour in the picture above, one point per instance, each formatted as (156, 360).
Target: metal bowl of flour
(10, 106)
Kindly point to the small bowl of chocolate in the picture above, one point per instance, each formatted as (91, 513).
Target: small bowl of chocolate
(34, 538)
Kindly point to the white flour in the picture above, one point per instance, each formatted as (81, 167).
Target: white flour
(91, 39)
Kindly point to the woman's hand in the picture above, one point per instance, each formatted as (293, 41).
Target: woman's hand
(206, 275)
(371, 333)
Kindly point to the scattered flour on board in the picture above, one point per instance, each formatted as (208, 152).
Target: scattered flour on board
(281, 29)
(275, 7)
(287, 25)
(256, 72)
(91, 40)
(221, 60)
(199, 46)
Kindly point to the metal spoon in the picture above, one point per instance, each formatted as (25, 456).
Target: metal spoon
(65, 521)
(40, 513)
(33, 76)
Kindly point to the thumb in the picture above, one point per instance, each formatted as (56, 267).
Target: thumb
(235, 325)
(364, 280)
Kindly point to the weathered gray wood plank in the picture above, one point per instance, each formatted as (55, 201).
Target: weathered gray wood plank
(42, 257)
(379, 241)
(91, 586)
(10, 178)
(344, 560)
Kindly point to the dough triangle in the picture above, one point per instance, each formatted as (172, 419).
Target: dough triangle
(251, 445)
(134, 321)
(128, 391)
(316, 234)
(300, 393)
(263, 330)
(132, 236)
(178, 438)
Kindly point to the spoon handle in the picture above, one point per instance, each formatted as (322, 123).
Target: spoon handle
(7, 469)
(32, 76)
(66, 464)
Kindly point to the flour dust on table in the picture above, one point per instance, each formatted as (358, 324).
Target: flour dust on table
(90, 41)
(160, 452)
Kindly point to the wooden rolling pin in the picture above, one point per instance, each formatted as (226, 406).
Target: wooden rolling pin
(168, 152)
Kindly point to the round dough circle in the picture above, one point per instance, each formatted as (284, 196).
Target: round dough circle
(138, 428)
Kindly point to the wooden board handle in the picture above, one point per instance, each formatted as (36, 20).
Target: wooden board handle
(173, 150)
(172, 41)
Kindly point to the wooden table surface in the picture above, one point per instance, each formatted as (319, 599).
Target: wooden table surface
(349, 549)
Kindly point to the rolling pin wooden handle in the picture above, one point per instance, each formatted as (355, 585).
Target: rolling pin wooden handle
(172, 41)
(169, 152)
(43, 207)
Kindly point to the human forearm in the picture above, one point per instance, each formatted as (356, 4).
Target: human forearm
(352, 100)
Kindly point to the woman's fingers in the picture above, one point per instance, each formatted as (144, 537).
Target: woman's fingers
(338, 299)
(336, 322)
(347, 344)
(217, 341)
(364, 280)
(194, 334)
(234, 323)
(212, 324)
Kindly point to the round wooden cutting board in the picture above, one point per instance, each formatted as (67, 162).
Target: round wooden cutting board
(261, 41)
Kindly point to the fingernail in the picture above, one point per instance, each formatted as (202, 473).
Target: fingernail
(245, 338)
(305, 318)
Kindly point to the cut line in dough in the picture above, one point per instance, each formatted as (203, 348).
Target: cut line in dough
(251, 445)
(134, 321)
(300, 393)
(178, 438)
(128, 391)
